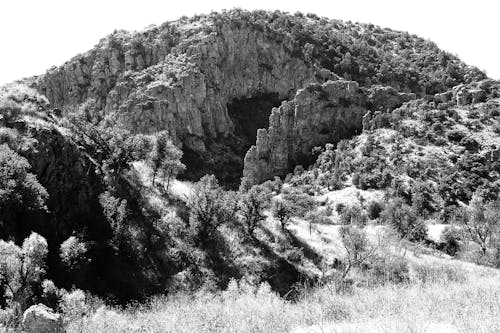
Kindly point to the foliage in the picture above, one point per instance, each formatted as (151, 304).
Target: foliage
(73, 252)
(358, 249)
(374, 209)
(387, 268)
(292, 203)
(20, 190)
(479, 222)
(405, 221)
(450, 239)
(252, 205)
(209, 207)
(165, 158)
(21, 269)
(283, 211)
(354, 215)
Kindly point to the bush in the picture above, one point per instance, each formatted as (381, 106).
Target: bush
(388, 269)
(405, 221)
(10, 137)
(438, 273)
(73, 305)
(374, 209)
(339, 208)
(353, 215)
(455, 135)
(450, 241)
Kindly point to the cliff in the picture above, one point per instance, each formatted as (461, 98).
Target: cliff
(317, 115)
(212, 80)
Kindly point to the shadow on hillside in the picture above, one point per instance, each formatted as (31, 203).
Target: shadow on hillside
(284, 276)
(308, 251)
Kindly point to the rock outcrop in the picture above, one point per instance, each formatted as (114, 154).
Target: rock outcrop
(42, 319)
(180, 78)
(317, 115)
(68, 174)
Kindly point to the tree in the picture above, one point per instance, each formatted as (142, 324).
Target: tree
(252, 205)
(293, 203)
(209, 208)
(20, 190)
(282, 210)
(116, 212)
(21, 268)
(358, 249)
(165, 158)
(480, 221)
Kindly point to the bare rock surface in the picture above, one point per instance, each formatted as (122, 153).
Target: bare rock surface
(42, 319)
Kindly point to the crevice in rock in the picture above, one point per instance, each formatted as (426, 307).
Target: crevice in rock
(225, 154)
(250, 114)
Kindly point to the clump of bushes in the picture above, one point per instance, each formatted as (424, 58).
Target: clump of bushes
(353, 215)
(388, 269)
(405, 221)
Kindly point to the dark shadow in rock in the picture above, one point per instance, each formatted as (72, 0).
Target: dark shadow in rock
(224, 155)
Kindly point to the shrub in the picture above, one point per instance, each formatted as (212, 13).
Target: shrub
(339, 208)
(455, 135)
(354, 215)
(73, 305)
(405, 221)
(435, 273)
(374, 209)
(72, 252)
(450, 241)
(10, 137)
(388, 269)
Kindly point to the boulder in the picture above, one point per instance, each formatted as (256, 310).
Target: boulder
(42, 319)
(443, 97)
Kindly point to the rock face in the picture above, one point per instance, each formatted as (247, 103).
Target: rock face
(41, 319)
(68, 174)
(317, 115)
(181, 81)
(182, 76)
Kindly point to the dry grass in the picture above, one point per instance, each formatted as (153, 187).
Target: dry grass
(442, 304)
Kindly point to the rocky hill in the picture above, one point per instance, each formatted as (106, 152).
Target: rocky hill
(89, 151)
(199, 78)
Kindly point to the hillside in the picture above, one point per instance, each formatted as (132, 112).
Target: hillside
(252, 157)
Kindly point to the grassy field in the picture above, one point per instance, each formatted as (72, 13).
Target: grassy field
(451, 300)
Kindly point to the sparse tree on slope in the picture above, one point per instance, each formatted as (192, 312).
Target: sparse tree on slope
(252, 205)
(480, 222)
(210, 207)
(165, 158)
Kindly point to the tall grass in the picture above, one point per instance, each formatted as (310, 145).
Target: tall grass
(439, 302)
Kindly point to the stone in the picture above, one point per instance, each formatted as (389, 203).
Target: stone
(443, 97)
(319, 114)
(42, 319)
(180, 84)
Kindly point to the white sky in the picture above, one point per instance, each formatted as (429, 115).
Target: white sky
(37, 34)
